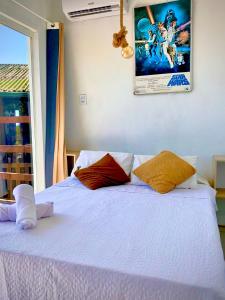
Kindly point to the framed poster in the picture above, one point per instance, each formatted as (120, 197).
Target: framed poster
(163, 47)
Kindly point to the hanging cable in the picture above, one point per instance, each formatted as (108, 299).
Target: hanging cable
(121, 14)
(119, 39)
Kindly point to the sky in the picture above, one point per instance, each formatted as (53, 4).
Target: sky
(13, 46)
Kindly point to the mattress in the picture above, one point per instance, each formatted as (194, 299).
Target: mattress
(124, 242)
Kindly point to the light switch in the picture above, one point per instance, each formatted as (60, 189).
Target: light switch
(83, 99)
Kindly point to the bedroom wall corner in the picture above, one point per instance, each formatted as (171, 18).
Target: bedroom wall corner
(114, 119)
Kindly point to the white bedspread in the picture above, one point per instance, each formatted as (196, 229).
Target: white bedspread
(124, 242)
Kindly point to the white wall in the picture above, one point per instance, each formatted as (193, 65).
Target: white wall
(115, 119)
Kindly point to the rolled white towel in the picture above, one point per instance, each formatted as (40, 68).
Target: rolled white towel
(26, 216)
(45, 210)
(4, 212)
(8, 211)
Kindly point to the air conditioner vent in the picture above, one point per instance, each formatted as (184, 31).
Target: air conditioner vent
(81, 10)
(91, 11)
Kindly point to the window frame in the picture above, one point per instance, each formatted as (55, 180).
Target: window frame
(37, 122)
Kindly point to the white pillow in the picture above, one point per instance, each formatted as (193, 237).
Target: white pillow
(87, 158)
(202, 180)
(140, 159)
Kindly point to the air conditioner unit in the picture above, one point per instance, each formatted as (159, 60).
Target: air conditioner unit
(79, 10)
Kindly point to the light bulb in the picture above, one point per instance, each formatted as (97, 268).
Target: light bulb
(127, 52)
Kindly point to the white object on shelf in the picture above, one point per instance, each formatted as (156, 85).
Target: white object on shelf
(219, 185)
(219, 171)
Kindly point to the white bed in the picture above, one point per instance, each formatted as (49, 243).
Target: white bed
(124, 242)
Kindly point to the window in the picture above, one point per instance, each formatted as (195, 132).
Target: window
(15, 117)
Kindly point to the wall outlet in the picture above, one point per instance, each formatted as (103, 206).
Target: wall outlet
(83, 99)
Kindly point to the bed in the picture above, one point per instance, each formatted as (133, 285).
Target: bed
(122, 242)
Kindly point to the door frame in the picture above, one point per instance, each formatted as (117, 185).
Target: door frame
(37, 119)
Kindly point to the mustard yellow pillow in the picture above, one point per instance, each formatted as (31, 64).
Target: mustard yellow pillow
(164, 172)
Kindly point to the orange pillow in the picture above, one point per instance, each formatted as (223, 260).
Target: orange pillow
(105, 172)
(164, 172)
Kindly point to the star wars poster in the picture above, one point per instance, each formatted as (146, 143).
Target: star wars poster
(163, 47)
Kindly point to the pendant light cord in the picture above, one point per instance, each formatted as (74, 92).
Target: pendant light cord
(121, 14)
(119, 39)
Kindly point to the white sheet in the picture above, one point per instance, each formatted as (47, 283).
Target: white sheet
(128, 242)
